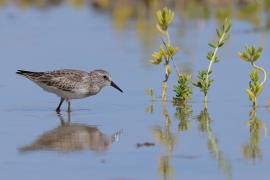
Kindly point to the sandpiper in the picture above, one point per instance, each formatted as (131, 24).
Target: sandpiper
(71, 84)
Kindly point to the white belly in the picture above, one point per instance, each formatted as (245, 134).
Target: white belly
(76, 94)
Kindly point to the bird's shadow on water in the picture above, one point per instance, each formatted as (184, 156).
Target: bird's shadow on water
(72, 137)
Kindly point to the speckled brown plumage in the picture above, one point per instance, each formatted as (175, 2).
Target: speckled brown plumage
(70, 83)
(66, 79)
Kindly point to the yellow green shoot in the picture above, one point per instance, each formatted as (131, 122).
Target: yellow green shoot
(166, 51)
(251, 55)
(204, 82)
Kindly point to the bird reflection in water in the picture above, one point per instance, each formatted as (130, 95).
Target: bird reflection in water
(72, 137)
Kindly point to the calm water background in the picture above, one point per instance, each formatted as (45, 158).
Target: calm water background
(84, 38)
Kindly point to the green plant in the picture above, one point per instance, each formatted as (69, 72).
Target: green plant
(204, 77)
(150, 92)
(150, 108)
(166, 51)
(183, 114)
(183, 90)
(204, 82)
(205, 121)
(251, 55)
(252, 149)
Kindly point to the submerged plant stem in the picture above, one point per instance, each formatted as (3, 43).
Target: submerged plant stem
(164, 91)
(205, 101)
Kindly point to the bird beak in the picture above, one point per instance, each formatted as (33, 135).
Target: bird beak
(115, 86)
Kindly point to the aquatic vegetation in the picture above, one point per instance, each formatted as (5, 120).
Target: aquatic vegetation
(183, 90)
(204, 77)
(164, 134)
(150, 108)
(252, 149)
(183, 114)
(204, 121)
(166, 138)
(251, 55)
(166, 51)
(166, 170)
(150, 92)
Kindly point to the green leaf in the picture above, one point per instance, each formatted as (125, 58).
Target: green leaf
(219, 33)
(256, 57)
(228, 25)
(253, 50)
(216, 60)
(164, 17)
(250, 94)
(210, 55)
(221, 44)
(259, 90)
(213, 44)
(248, 50)
(259, 50)
(156, 57)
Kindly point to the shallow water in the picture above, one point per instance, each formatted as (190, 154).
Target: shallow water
(216, 144)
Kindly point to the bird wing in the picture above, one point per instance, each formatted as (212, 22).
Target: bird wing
(65, 80)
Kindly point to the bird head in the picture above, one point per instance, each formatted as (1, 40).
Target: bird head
(102, 78)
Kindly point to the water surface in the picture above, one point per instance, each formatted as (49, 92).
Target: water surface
(217, 143)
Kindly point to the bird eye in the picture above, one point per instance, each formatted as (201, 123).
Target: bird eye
(105, 77)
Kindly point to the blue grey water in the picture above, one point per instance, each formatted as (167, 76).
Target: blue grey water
(65, 37)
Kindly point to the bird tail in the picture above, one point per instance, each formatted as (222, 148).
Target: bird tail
(29, 148)
(23, 72)
(29, 74)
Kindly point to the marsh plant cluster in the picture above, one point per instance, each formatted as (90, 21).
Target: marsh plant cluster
(183, 90)
(204, 79)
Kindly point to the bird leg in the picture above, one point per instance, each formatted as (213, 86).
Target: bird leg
(69, 106)
(69, 118)
(59, 106)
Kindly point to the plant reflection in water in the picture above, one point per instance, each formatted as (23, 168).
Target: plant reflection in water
(183, 114)
(72, 137)
(168, 139)
(252, 150)
(204, 121)
(150, 108)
